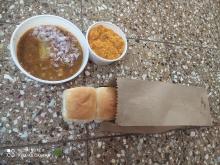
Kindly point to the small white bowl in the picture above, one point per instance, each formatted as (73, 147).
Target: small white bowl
(48, 20)
(97, 59)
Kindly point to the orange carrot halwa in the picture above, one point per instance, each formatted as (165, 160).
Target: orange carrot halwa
(105, 42)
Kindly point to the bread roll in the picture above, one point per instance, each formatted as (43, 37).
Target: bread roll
(87, 104)
(79, 104)
(106, 103)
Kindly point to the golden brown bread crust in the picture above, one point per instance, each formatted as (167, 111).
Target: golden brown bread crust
(106, 103)
(79, 104)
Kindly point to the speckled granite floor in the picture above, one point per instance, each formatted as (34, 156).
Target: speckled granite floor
(174, 41)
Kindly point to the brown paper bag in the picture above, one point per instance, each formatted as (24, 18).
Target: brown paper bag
(144, 103)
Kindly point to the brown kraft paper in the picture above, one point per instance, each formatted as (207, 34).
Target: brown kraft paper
(160, 105)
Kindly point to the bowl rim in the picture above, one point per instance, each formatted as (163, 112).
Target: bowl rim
(122, 34)
(14, 54)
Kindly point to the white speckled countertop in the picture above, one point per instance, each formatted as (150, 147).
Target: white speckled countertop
(174, 41)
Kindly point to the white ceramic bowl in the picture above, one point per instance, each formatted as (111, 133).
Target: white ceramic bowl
(97, 59)
(48, 20)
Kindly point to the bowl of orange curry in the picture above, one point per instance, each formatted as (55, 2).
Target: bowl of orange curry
(49, 49)
(107, 43)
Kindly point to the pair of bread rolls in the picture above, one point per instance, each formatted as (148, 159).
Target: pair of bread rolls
(87, 103)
